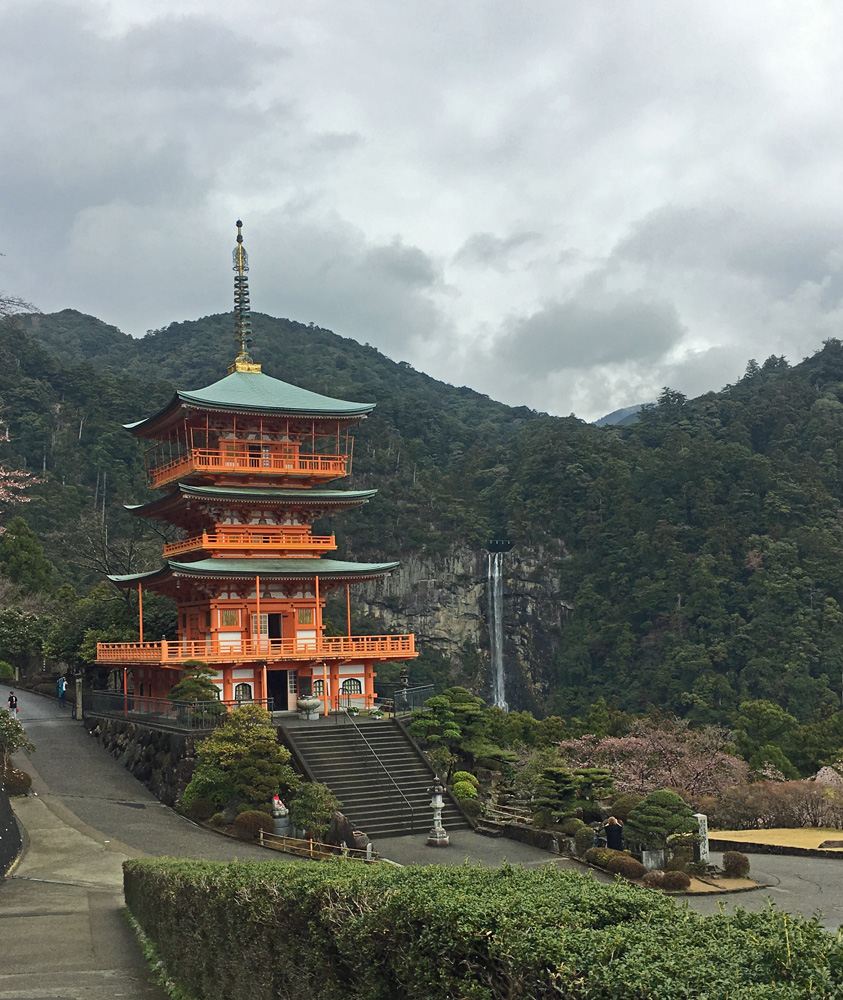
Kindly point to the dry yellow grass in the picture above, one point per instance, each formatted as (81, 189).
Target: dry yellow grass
(810, 837)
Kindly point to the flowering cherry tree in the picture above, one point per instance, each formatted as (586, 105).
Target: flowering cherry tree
(668, 754)
(14, 484)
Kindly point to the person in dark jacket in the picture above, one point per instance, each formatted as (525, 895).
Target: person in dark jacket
(614, 834)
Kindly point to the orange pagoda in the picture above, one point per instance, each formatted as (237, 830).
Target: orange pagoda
(245, 467)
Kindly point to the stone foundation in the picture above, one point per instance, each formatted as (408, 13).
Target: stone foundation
(162, 760)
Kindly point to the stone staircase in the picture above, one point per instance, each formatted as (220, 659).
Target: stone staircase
(376, 771)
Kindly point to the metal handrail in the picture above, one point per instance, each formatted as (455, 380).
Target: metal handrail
(384, 768)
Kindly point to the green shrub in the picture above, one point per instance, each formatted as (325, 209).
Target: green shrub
(253, 821)
(471, 807)
(464, 790)
(623, 864)
(201, 809)
(583, 840)
(570, 826)
(699, 869)
(312, 807)
(600, 856)
(7, 671)
(542, 818)
(218, 819)
(431, 932)
(623, 805)
(465, 776)
(735, 864)
(675, 881)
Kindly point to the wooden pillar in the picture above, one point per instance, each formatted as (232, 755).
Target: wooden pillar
(258, 616)
(335, 685)
(324, 688)
(140, 612)
(348, 607)
(369, 685)
(264, 685)
(125, 692)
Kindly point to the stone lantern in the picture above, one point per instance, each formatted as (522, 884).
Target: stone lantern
(437, 837)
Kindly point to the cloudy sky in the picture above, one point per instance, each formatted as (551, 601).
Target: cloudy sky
(562, 204)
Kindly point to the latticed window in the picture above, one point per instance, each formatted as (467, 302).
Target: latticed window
(305, 616)
(228, 618)
(351, 685)
(243, 692)
(319, 688)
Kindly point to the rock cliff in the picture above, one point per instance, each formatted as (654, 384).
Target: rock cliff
(444, 600)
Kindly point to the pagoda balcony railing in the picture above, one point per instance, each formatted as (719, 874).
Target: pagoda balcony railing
(241, 461)
(176, 651)
(236, 540)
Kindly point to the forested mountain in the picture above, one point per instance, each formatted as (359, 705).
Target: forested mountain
(698, 552)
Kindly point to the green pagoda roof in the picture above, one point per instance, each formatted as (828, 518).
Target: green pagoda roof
(254, 494)
(254, 392)
(272, 569)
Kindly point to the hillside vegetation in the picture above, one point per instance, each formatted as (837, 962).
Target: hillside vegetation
(705, 541)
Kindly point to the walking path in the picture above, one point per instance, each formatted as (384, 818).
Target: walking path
(64, 935)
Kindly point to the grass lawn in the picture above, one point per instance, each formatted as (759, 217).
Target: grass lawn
(811, 836)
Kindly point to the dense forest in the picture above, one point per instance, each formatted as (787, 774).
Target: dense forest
(704, 542)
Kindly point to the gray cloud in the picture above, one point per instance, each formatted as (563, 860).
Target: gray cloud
(579, 335)
(565, 205)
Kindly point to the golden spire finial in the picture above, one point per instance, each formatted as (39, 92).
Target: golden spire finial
(242, 312)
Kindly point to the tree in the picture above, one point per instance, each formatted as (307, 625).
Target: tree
(12, 738)
(242, 761)
(659, 753)
(312, 807)
(22, 634)
(661, 815)
(196, 683)
(22, 558)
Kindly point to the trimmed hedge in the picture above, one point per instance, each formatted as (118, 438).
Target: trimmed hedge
(257, 931)
(735, 864)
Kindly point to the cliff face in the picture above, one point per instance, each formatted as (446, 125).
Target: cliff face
(445, 601)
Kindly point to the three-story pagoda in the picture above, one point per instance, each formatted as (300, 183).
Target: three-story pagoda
(245, 467)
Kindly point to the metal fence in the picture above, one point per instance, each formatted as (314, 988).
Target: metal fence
(403, 700)
(190, 715)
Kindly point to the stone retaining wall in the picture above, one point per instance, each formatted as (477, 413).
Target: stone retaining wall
(10, 842)
(162, 760)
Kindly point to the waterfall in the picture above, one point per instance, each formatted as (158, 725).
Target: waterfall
(495, 594)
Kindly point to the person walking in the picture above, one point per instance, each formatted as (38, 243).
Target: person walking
(62, 688)
(13, 704)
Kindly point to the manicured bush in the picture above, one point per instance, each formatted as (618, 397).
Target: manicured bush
(735, 864)
(428, 932)
(464, 790)
(254, 821)
(7, 671)
(583, 840)
(218, 819)
(471, 807)
(201, 809)
(465, 776)
(570, 826)
(660, 816)
(675, 881)
(624, 864)
(600, 856)
(623, 805)
(653, 880)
